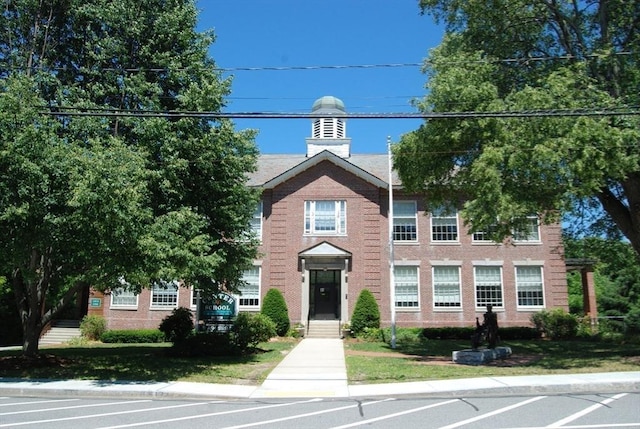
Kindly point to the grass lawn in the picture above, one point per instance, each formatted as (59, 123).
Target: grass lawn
(144, 362)
(366, 362)
(431, 360)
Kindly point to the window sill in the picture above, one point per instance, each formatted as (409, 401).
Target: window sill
(447, 309)
(123, 307)
(163, 308)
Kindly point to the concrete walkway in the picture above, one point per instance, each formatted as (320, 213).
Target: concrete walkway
(316, 368)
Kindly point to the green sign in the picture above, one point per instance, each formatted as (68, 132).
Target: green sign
(96, 302)
(218, 307)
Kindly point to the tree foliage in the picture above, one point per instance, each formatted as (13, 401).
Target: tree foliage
(366, 313)
(97, 183)
(616, 275)
(524, 56)
(275, 308)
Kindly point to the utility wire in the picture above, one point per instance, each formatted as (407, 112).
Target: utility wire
(635, 111)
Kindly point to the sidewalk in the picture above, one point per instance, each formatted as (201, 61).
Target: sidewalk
(316, 368)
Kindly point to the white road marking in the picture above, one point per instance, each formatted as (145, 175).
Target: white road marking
(12, 404)
(389, 416)
(209, 414)
(299, 416)
(493, 413)
(70, 408)
(586, 411)
(90, 416)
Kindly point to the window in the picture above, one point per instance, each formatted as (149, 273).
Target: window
(488, 286)
(256, 222)
(446, 287)
(325, 217)
(484, 236)
(404, 221)
(444, 226)
(531, 232)
(250, 291)
(529, 286)
(124, 297)
(164, 294)
(406, 286)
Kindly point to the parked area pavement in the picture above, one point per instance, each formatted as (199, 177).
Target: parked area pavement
(316, 368)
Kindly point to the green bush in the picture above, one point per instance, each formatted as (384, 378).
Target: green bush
(275, 308)
(247, 331)
(632, 322)
(366, 313)
(448, 333)
(178, 325)
(132, 336)
(250, 329)
(92, 327)
(556, 324)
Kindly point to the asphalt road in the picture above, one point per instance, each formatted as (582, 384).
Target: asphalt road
(498, 412)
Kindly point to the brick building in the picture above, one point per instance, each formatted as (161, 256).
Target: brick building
(324, 227)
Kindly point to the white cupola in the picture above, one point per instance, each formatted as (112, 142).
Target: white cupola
(329, 133)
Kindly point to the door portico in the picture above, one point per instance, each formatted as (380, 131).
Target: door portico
(324, 282)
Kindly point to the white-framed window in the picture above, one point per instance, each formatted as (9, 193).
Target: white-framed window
(529, 286)
(406, 287)
(194, 298)
(164, 294)
(123, 297)
(325, 217)
(250, 291)
(488, 282)
(256, 222)
(446, 287)
(532, 231)
(405, 221)
(444, 226)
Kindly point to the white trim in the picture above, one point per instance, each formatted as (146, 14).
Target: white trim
(542, 288)
(475, 285)
(153, 306)
(433, 289)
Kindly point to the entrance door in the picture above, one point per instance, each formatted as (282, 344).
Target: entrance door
(324, 293)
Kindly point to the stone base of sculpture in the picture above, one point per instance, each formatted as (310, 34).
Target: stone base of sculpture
(480, 356)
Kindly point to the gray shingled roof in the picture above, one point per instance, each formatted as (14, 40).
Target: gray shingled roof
(271, 166)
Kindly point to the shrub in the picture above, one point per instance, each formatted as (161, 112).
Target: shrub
(556, 324)
(178, 325)
(366, 313)
(632, 322)
(132, 336)
(250, 329)
(92, 327)
(448, 333)
(275, 308)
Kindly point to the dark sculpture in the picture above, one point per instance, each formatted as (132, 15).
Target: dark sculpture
(487, 331)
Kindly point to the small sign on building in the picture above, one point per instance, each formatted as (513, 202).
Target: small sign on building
(95, 302)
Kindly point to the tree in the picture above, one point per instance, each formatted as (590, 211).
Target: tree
(275, 308)
(101, 177)
(530, 56)
(366, 313)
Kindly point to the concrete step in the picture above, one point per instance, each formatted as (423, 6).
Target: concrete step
(61, 333)
(323, 329)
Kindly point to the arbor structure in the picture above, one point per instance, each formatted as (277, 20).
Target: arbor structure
(97, 184)
(568, 74)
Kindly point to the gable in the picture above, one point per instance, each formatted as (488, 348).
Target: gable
(275, 170)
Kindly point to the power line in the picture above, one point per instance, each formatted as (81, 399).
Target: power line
(523, 60)
(627, 111)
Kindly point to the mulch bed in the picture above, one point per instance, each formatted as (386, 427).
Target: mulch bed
(513, 360)
(17, 363)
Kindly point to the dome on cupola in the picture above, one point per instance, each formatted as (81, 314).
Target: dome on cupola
(328, 104)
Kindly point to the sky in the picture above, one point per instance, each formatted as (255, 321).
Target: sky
(325, 33)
